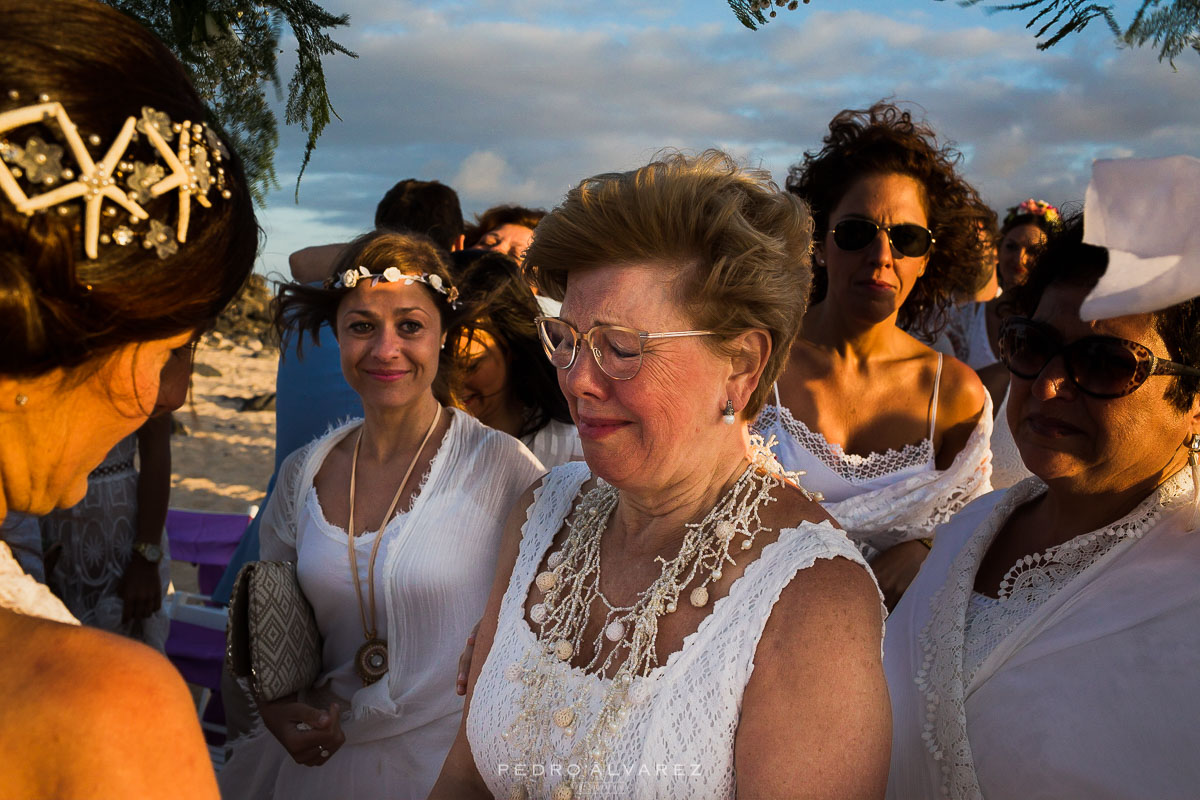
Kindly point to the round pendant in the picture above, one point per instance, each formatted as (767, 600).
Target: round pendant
(371, 661)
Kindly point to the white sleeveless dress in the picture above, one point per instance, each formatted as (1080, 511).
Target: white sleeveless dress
(678, 739)
(887, 497)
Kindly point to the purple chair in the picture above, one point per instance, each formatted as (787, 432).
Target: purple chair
(196, 644)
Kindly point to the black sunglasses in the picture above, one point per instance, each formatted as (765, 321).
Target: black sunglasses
(907, 238)
(1100, 366)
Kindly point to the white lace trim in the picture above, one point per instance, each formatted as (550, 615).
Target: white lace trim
(854, 468)
(944, 673)
(685, 711)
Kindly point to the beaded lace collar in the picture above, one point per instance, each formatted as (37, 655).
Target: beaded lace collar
(941, 678)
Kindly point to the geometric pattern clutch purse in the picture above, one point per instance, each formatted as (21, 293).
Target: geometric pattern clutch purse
(272, 635)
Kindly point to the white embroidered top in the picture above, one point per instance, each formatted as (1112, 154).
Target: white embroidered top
(21, 593)
(677, 741)
(432, 577)
(555, 444)
(1007, 466)
(1082, 672)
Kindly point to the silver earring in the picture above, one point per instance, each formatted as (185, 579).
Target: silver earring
(22, 399)
(1193, 446)
(729, 416)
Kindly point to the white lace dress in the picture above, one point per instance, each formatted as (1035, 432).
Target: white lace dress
(21, 593)
(555, 444)
(432, 576)
(677, 742)
(1082, 673)
(1007, 466)
(883, 498)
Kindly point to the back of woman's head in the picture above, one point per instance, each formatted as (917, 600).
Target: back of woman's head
(497, 301)
(741, 246)
(884, 140)
(62, 306)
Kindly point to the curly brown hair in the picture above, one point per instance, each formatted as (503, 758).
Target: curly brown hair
(884, 140)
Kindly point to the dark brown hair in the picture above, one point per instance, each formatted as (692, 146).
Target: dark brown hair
(497, 299)
(58, 308)
(496, 216)
(884, 140)
(426, 207)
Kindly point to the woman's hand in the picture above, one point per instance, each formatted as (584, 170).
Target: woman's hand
(464, 662)
(310, 735)
(140, 589)
(896, 567)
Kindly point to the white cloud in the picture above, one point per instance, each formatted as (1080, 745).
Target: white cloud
(519, 104)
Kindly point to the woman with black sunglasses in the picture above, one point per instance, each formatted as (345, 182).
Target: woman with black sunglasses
(893, 435)
(1049, 646)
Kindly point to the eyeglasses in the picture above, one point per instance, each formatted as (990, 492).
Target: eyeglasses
(617, 350)
(1100, 366)
(907, 238)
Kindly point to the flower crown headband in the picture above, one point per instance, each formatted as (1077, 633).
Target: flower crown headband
(351, 278)
(34, 178)
(1033, 208)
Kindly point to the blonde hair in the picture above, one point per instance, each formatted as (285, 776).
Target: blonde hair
(742, 246)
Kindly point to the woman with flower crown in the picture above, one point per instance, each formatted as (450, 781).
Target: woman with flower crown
(673, 617)
(1048, 647)
(1022, 236)
(394, 524)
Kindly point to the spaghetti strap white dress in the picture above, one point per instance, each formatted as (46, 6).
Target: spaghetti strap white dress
(883, 498)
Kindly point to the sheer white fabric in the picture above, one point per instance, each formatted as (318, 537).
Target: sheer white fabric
(967, 329)
(677, 741)
(432, 577)
(96, 536)
(882, 499)
(21, 593)
(555, 444)
(1007, 466)
(1093, 692)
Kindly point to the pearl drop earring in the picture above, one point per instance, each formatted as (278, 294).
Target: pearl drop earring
(729, 416)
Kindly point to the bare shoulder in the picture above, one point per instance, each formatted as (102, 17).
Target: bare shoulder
(962, 395)
(832, 589)
(793, 507)
(121, 720)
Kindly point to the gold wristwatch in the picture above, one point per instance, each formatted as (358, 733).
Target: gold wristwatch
(151, 552)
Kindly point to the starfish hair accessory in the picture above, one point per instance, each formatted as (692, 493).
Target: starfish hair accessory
(1034, 208)
(352, 277)
(54, 170)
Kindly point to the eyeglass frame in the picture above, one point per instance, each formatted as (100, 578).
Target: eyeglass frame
(582, 337)
(887, 229)
(1158, 366)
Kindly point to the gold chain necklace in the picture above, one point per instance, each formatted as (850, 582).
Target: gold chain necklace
(371, 661)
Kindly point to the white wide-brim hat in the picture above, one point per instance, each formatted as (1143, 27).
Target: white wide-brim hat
(1146, 212)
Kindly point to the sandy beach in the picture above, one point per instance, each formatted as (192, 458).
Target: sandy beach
(227, 456)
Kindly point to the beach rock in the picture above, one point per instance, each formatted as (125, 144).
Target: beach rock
(247, 321)
(260, 402)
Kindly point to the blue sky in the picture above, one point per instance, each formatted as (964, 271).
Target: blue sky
(516, 101)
